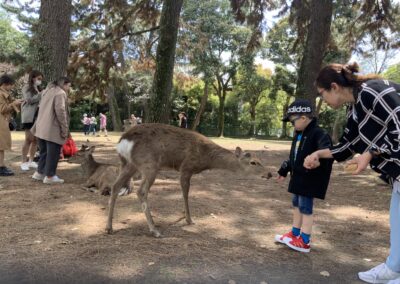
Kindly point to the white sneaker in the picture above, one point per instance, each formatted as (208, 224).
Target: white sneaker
(33, 165)
(25, 166)
(52, 180)
(38, 176)
(379, 274)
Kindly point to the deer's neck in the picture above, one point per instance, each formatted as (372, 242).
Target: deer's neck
(90, 165)
(224, 159)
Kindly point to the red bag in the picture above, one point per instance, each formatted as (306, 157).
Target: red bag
(69, 148)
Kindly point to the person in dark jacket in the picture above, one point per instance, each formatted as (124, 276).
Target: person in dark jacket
(372, 130)
(304, 184)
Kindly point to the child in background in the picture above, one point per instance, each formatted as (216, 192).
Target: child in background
(103, 123)
(304, 184)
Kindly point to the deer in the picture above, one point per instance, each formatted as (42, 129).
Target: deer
(149, 147)
(99, 175)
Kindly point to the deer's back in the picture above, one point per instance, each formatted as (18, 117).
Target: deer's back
(166, 145)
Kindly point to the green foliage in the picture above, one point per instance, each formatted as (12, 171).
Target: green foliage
(13, 42)
(393, 73)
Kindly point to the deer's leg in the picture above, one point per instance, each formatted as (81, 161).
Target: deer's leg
(125, 175)
(142, 192)
(185, 184)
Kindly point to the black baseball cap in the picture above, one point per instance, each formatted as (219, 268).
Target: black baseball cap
(299, 107)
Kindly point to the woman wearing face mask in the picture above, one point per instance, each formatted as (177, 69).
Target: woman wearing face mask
(29, 113)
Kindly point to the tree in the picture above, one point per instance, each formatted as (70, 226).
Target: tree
(51, 38)
(252, 83)
(284, 80)
(318, 32)
(393, 73)
(214, 42)
(165, 59)
(13, 42)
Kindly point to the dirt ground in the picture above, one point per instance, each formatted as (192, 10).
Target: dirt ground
(55, 234)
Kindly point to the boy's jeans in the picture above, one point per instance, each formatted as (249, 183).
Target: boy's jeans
(393, 260)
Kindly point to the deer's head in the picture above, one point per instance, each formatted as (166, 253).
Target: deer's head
(82, 155)
(251, 164)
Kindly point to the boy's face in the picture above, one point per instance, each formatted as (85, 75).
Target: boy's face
(299, 122)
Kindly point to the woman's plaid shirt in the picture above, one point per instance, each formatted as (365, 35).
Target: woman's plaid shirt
(374, 121)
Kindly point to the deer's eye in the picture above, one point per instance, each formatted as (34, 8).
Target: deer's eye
(253, 163)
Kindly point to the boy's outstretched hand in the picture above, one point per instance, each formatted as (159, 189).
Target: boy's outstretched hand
(280, 178)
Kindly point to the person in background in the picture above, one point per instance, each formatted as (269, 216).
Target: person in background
(51, 129)
(86, 124)
(133, 120)
(103, 123)
(7, 106)
(93, 123)
(182, 120)
(29, 112)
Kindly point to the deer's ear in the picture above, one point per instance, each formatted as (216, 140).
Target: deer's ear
(83, 147)
(91, 149)
(238, 152)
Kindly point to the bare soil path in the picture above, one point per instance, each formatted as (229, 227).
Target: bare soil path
(55, 234)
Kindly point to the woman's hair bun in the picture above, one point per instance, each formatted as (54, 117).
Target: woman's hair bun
(352, 67)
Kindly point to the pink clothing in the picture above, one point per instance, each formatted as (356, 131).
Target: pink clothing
(86, 120)
(103, 121)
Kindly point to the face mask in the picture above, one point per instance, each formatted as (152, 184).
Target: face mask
(38, 83)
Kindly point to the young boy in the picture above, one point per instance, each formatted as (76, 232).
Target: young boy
(304, 184)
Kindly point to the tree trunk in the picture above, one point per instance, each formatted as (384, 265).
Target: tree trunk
(50, 43)
(284, 124)
(318, 33)
(114, 111)
(159, 108)
(221, 114)
(253, 119)
(202, 106)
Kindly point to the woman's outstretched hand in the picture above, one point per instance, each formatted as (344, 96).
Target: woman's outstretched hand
(362, 162)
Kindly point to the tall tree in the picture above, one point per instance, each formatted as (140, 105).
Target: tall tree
(159, 108)
(51, 38)
(318, 32)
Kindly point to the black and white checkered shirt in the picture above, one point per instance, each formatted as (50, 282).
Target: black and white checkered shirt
(374, 121)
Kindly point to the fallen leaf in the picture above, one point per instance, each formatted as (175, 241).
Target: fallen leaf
(325, 273)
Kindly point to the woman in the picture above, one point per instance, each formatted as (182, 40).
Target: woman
(29, 113)
(7, 106)
(51, 129)
(182, 120)
(372, 130)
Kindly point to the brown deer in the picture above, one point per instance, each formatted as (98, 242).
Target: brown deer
(99, 175)
(146, 148)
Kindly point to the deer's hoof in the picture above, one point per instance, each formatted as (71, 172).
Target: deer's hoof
(189, 222)
(109, 231)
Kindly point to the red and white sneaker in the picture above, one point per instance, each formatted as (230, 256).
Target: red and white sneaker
(299, 245)
(283, 239)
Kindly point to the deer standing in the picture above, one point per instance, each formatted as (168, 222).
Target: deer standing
(149, 147)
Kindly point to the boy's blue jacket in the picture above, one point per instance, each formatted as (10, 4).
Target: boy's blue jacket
(310, 183)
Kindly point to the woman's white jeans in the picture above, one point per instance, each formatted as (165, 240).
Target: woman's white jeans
(393, 260)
